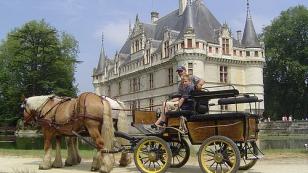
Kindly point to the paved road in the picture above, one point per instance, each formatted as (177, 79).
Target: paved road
(13, 164)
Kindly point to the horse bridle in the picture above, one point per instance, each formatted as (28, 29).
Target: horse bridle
(32, 115)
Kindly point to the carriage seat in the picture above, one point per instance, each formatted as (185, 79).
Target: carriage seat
(185, 113)
(235, 100)
(220, 116)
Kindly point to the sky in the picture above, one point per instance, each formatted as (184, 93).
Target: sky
(86, 20)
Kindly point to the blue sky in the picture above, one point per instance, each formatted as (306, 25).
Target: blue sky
(87, 19)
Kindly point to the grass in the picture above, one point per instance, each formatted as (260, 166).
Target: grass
(85, 154)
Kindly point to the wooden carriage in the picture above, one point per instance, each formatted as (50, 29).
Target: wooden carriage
(227, 139)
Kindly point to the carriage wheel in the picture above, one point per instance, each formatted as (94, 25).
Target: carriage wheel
(152, 155)
(252, 151)
(219, 154)
(180, 153)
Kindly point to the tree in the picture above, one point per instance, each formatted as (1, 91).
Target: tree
(286, 41)
(35, 59)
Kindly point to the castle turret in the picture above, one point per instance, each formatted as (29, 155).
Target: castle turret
(102, 60)
(250, 39)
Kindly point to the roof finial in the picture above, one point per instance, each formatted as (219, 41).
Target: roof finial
(137, 18)
(102, 39)
(129, 28)
(248, 9)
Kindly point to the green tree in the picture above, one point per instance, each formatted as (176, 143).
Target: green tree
(286, 41)
(35, 59)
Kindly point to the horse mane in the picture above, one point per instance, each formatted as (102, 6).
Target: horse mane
(36, 101)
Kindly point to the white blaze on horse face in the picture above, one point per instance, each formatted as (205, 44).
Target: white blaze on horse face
(36, 102)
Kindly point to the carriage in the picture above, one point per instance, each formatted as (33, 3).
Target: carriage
(227, 139)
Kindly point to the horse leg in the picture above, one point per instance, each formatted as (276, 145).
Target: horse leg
(58, 159)
(46, 164)
(76, 151)
(102, 161)
(72, 158)
(122, 126)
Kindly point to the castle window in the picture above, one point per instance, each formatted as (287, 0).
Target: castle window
(170, 76)
(147, 56)
(136, 84)
(151, 103)
(190, 68)
(216, 50)
(223, 74)
(210, 49)
(109, 91)
(151, 80)
(189, 43)
(197, 44)
(234, 52)
(241, 53)
(137, 45)
(247, 53)
(130, 85)
(225, 46)
(182, 45)
(120, 87)
(133, 105)
(138, 104)
(166, 48)
(256, 53)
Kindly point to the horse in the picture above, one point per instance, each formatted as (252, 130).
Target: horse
(119, 118)
(61, 116)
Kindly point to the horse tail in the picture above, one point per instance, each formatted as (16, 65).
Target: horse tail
(107, 131)
(122, 124)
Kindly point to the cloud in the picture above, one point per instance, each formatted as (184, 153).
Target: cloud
(115, 34)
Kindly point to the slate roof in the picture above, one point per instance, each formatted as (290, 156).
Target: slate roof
(250, 39)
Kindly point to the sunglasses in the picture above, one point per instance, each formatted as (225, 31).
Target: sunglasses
(180, 71)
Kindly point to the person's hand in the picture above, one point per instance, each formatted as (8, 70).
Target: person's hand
(198, 87)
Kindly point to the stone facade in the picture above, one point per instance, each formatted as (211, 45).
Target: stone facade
(143, 72)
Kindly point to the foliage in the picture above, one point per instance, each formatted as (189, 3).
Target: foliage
(35, 59)
(286, 41)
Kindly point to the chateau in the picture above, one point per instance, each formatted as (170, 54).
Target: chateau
(143, 72)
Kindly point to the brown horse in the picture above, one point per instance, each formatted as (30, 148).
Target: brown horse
(59, 117)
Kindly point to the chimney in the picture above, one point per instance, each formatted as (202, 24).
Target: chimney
(182, 6)
(239, 36)
(154, 16)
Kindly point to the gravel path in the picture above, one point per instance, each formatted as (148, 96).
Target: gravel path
(15, 164)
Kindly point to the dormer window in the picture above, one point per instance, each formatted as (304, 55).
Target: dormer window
(189, 43)
(137, 45)
(197, 44)
(225, 46)
(166, 48)
(247, 53)
(210, 49)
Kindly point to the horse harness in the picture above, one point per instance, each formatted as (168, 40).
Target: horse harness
(68, 126)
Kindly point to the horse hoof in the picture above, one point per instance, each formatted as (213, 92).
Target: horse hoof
(94, 169)
(125, 162)
(44, 166)
(68, 163)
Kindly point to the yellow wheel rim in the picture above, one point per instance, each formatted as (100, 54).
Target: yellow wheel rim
(218, 156)
(152, 156)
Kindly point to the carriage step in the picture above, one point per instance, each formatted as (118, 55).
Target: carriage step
(146, 129)
(255, 157)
